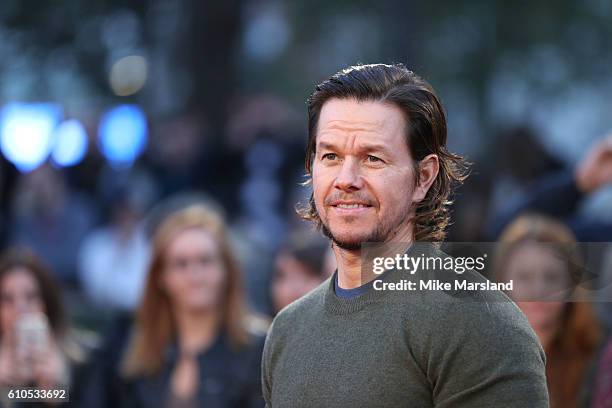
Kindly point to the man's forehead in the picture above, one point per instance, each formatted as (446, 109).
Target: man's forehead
(352, 116)
(354, 125)
(360, 137)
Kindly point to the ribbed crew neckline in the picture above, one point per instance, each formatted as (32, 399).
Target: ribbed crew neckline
(344, 306)
(338, 305)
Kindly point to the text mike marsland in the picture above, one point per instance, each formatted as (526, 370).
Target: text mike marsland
(435, 284)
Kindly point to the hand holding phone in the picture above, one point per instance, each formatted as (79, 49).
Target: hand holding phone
(32, 340)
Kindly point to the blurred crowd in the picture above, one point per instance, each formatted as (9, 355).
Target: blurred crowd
(158, 281)
(153, 282)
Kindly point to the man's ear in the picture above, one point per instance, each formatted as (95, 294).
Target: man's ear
(428, 171)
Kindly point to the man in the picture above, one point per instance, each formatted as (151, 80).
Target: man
(381, 172)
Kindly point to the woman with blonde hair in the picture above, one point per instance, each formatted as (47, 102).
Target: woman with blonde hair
(539, 254)
(193, 343)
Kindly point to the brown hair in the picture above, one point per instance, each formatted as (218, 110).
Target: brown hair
(569, 354)
(425, 134)
(309, 251)
(155, 324)
(24, 258)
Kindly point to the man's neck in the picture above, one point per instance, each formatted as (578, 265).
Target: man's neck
(349, 267)
(350, 273)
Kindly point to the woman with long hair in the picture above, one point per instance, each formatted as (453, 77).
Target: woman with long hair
(193, 343)
(539, 254)
(33, 347)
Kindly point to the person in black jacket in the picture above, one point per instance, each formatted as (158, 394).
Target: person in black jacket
(192, 342)
(559, 195)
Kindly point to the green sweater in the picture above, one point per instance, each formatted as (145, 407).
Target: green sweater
(403, 349)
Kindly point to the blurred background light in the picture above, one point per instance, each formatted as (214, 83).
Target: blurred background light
(128, 75)
(123, 134)
(70, 143)
(26, 133)
(267, 34)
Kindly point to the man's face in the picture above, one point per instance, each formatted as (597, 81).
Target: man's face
(363, 176)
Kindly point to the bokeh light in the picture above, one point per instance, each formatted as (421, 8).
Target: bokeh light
(123, 134)
(26, 133)
(128, 75)
(70, 143)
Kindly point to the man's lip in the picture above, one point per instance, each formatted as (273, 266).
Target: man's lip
(347, 207)
(337, 203)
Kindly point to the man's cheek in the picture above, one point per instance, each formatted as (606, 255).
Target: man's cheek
(318, 202)
(318, 192)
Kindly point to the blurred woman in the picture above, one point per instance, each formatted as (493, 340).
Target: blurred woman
(602, 396)
(32, 326)
(299, 268)
(539, 255)
(193, 343)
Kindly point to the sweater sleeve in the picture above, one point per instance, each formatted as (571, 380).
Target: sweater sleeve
(485, 354)
(266, 373)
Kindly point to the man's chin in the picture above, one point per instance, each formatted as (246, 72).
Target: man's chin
(349, 238)
(350, 243)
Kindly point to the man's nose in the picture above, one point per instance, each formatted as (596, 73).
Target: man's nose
(349, 177)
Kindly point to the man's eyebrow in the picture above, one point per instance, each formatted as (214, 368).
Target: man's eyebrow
(367, 147)
(326, 146)
(374, 147)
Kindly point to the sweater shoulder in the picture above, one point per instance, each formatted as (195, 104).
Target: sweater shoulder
(480, 321)
(491, 306)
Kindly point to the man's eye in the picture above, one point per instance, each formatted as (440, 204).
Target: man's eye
(374, 159)
(329, 156)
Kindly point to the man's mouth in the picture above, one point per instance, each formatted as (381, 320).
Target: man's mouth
(350, 206)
